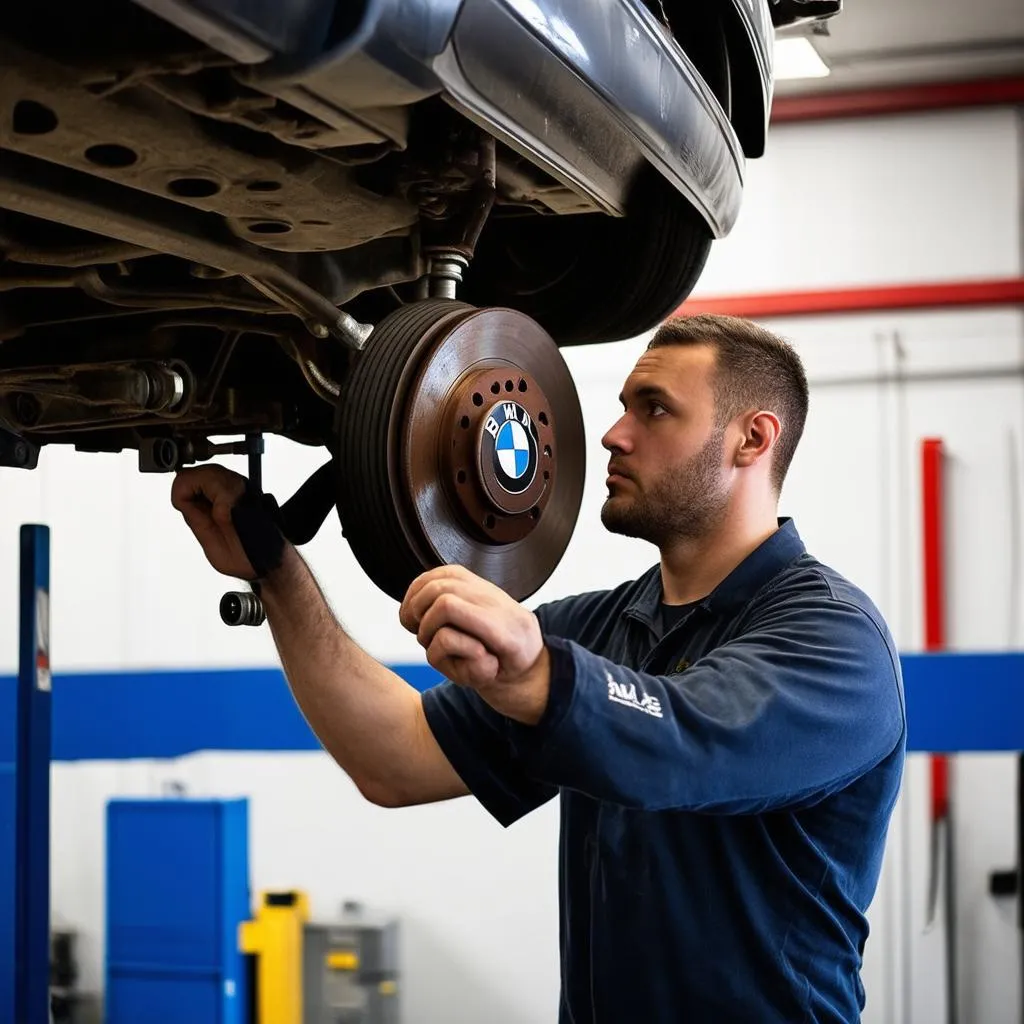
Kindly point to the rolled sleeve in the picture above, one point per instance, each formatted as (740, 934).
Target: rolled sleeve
(475, 740)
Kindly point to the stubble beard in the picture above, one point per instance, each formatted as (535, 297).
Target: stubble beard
(685, 503)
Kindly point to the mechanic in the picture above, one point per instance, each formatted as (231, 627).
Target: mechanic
(726, 733)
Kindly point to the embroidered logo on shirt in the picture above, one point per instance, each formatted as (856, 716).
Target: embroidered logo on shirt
(626, 693)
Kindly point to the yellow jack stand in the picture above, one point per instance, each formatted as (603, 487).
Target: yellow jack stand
(275, 938)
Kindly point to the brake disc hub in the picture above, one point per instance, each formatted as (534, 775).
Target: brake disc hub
(499, 453)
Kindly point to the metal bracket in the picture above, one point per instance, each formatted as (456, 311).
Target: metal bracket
(167, 454)
(159, 455)
(16, 452)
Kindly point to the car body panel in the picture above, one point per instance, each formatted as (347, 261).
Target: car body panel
(757, 21)
(586, 89)
(616, 89)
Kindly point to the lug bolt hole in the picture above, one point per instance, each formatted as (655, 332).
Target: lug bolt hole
(495, 387)
(32, 118)
(270, 227)
(543, 417)
(509, 386)
(547, 475)
(193, 188)
(461, 476)
(111, 155)
(464, 423)
(490, 522)
(478, 399)
(547, 450)
(522, 385)
(535, 512)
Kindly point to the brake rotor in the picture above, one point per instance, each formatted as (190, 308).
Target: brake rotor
(460, 442)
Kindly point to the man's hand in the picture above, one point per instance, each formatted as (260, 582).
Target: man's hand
(205, 497)
(478, 636)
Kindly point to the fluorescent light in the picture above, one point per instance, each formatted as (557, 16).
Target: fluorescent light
(796, 57)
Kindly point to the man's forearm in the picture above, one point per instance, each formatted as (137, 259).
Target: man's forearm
(367, 717)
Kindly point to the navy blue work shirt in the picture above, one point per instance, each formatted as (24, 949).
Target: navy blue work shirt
(725, 791)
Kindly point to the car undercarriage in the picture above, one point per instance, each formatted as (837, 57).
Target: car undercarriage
(197, 242)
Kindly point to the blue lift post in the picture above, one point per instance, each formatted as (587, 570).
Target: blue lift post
(31, 979)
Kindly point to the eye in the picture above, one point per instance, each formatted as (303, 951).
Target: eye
(657, 409)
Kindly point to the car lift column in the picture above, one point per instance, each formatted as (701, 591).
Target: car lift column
(25, 976)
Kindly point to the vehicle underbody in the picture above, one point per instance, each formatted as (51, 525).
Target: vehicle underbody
(192, 247)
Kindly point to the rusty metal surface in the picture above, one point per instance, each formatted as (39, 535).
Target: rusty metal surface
(276, 196)
(61, 195)
(514, 540)
(447, 438)
(402, 503)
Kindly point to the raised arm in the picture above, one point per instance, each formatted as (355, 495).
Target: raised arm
(807, 699)
(367, 717)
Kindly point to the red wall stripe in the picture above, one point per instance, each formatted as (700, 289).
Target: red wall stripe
(925, 96)
(901, 99)
(938, 295)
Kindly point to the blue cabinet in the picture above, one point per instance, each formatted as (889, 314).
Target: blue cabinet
(177, 890)
(8, 882)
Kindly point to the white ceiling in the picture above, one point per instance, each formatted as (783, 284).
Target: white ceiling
(883, 42)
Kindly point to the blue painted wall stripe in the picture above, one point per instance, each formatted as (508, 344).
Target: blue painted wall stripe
(964, 702)
(954, 702)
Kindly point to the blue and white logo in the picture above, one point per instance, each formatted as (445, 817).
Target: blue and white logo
(513, 448)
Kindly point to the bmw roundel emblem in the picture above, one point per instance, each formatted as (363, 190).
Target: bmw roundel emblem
(508, 444)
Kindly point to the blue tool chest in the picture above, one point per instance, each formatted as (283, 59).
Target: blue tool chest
(177, 890)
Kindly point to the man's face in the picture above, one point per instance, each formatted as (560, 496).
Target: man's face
(667, 479)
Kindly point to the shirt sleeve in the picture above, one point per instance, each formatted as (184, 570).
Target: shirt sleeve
(809, 698)
(475, 739)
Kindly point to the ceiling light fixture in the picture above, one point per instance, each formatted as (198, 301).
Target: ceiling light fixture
(796, 57)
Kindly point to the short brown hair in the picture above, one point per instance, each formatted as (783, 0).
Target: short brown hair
(754, 369)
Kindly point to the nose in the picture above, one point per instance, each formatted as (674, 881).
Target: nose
(617, 439)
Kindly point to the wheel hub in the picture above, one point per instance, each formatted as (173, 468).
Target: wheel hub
(498, 452)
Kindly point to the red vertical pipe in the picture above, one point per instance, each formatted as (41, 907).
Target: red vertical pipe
(933, 523)
(934, 588)
(934, 574)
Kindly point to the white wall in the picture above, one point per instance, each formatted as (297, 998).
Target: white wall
(918, 198)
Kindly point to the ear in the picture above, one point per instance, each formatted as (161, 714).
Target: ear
(759, 432)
